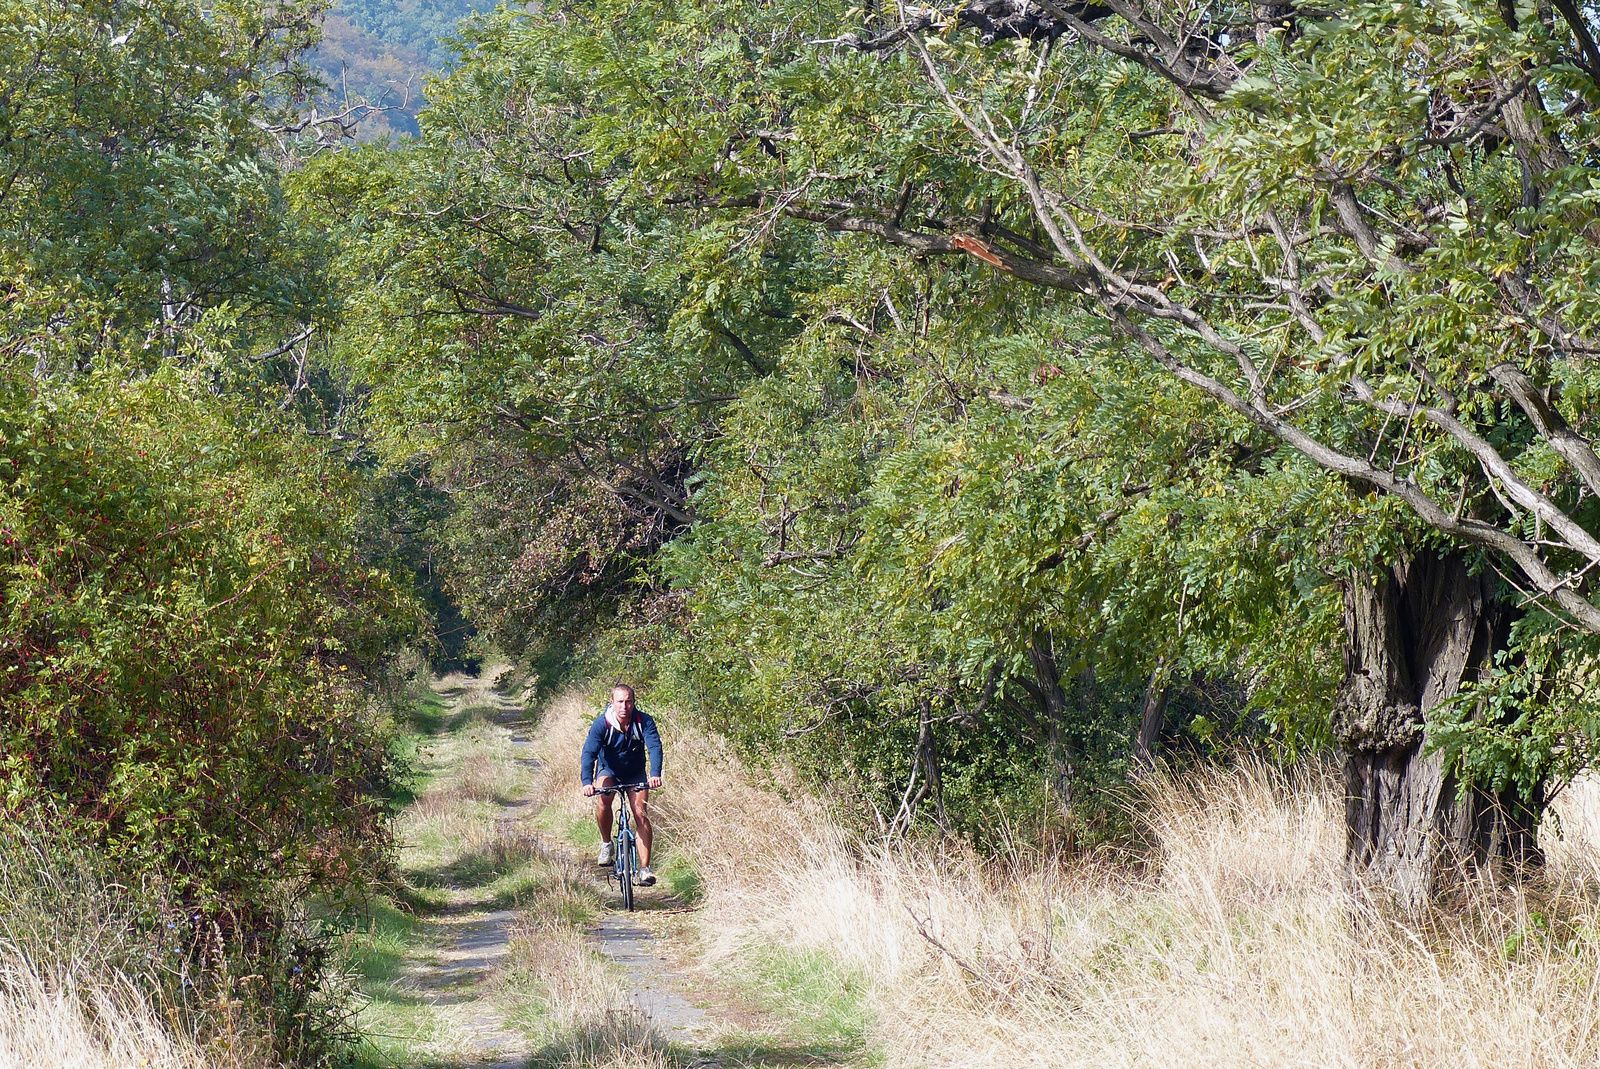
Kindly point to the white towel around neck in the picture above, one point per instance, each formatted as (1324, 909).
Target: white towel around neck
(611, 718)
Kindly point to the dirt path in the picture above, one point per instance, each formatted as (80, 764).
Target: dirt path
(660, 991)
(471, 945)
(470, 939)
(509, 950)
(457, 976)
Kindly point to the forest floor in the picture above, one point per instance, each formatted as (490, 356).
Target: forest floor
(506, 947)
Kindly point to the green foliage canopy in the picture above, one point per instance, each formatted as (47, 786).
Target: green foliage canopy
(137, 194)
(905, 482)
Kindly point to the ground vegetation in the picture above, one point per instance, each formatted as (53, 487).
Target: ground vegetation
(974, 410)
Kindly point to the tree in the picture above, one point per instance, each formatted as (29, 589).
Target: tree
(1335, 229)
(555, 361)
(520, 286)
(1371, 240)
(134, 196)
(1339, 265)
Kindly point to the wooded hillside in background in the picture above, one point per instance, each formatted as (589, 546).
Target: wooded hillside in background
(382, 53)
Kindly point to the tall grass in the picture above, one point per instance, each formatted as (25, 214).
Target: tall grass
(591, 1022)
(1235, 940)
(96, 974)
(103, 1021)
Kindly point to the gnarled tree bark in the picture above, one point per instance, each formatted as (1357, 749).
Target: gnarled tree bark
(1414, 633)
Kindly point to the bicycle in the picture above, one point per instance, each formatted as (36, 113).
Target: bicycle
(624, 845)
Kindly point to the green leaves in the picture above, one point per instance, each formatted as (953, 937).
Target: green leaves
(701, 295)
(182, 616)
(135, 193)
(875, 480)
(1531, 724)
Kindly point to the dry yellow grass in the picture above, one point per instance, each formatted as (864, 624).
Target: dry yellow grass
(99, 1023)
(77, 987)
(591, 1012)
(1239, 943)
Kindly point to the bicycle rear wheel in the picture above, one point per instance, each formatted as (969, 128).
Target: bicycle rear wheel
(626, 866)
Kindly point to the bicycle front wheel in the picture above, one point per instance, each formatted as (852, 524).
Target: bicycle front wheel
(627, 866)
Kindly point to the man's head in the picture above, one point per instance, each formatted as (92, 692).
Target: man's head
(622, 702)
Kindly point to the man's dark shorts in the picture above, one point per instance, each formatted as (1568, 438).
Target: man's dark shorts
(627, 774)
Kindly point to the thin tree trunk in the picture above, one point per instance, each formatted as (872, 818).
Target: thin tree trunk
(928, 754)
(1154, 717)
(1413, 634)
(1053, 704)
(909, 801)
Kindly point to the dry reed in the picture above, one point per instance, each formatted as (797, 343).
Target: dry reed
(79, 963)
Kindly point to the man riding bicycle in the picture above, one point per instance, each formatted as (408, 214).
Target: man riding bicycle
(619, 741)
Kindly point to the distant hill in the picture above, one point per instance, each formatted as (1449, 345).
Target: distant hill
(384, 50)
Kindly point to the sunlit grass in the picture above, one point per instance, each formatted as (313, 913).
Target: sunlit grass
(823, 1001)
(679, 875)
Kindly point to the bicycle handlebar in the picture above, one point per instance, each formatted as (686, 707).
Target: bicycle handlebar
(620, 787)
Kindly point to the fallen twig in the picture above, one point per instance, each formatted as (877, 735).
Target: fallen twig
(977, 974)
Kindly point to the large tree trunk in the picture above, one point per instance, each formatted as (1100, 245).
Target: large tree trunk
(1413, 633)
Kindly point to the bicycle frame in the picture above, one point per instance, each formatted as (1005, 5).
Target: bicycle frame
(624, 843)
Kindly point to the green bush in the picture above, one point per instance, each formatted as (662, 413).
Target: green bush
(182, 621)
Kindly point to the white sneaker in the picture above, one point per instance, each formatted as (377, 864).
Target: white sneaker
(646, 877)
(604, 856)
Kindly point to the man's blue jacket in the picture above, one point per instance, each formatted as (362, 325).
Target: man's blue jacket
(609, 752)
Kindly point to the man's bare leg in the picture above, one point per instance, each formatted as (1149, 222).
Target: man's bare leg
(639, 802)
